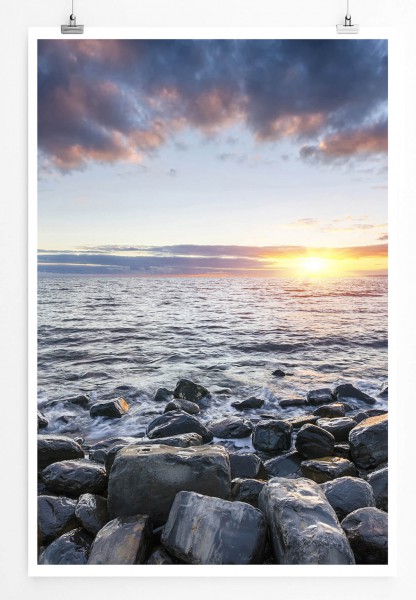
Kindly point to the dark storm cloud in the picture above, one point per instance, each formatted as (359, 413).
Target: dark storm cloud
(110, 100)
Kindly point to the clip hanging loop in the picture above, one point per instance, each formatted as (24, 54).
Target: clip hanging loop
(72, 27)
(348, 27)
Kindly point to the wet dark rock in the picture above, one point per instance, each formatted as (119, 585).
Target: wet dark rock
(346, 392)
(384, 390)
(347, 494)
(188, 390)
(361, 416)
(293, 402)
(330, 467)
(249, 403)
(246, 490)
(368, 442)
(161, 557)
(189, 407)
(211, 531)
(81, 400)
(287, 465)
(175, 423)
(303, 526)
(272, 436)
(108, 442)
(56, 515)
(367, 533)
(376, 412)
(379, 482)
(42, 420)
(314, 442)
(75, 477)
(163, 395)
(91, 511)
(71, 548)
(339, 427)
(54, 448)
(113, 409)
(330, 411)
(245, 464)
(300, 421)
(122, 541)
(165, 471)
(342, 450)
(279, 373)
(321, 396)
(230, 428)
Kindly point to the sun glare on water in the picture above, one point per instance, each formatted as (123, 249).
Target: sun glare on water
(315, 265)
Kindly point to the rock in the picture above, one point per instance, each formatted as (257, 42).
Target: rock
(272, 436)
(339, 427)
(75, 477)
(314, 442)
(376, 412)
(368, 442)
(54, 448)
(346, 392)
(81, 400)
(246, 490)
(342, 450)
(42, 420)
(123, 541)
(71, 548)
(330, 467)
(109, 442)
(56, 515)
(160, 557)
(303, 526)
(379, 481)
(165, 471)
(175, 423)
(361, 416)
(330, 411)
(287, 465)
(113, 409)
(384, 390)
(188, 390)
(211, 531)
(189, 407)
(91, 511)
(367, 533)
(249, 403)
(293, 402)
(279, 373)
(300, 421)
(245, 464)
(230, 428)
(163, 395)
(347, 494)
(321, 396)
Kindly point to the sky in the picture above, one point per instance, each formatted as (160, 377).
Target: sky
(212, 157)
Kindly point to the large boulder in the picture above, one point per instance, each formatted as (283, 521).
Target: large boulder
(330, 467)
(339, 427)
(248, 403)
(175, 423)
(245, 464)
(123, 541)
(314, 442)
(330, 411)
(211, 531)
(347, 494)
(75, 477)
(347, 392)
(146, 479)
(188, 390)
(92, 512)
(246, 490)
(288, 465)
(321, 396)
(367, 533)
(303, 526)
(71, 548)
(54, 448)
(230, 428)
(56, 515)
(113, 409)
(368, 442)
(379, 481)
(272, 436)
(189, 407)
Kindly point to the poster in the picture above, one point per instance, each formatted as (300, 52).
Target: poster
(211, 305)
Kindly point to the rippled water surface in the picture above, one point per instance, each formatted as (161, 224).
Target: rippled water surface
(97, 334)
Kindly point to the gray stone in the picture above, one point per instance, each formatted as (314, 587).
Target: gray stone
(339, 427)
(301, 420)
(279, 373)
(92, 512)
(56, 515)
(361, 416)
(210, 531)
(368, 442)
(161, 557)
(330, 467)
(188, 390)
(330, 411)
(347, 392)
(367, 533)
(42, 420)
(379, 481)
(146, 479)
(230, 428)
(122, 541)
(321, 396)
(246, 490)
(75, 477)
(175, 423)
(113, 409)
(245, 464)
(347, 494)
(189, 407)
(342, 450)
(294, 402)
(272, 436)
(71, 548)
(303, 526)
(54, 448)
(248, 403)
(384, 390)
(314, 442)
(287, 465)
(163, 395)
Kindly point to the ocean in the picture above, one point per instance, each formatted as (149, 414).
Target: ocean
(126, 337)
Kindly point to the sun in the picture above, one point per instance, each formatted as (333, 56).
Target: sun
(315, 265)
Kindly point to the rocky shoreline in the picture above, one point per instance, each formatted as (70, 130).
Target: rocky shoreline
(314, 489)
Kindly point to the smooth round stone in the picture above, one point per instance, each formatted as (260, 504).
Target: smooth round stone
(314, 442)
(379, 481)
(330, 411)
(56, 515)
(91, 511)
(112, 409)
(175, 423)
(272, 436)
(71, 548)
(245, 464)
(230, 428)
(339, 427)
(321, 396)
(189, 407)
(249, 403)
(346, 392)
(54, 448)
(288, 465)
(188, 390)
(367, 533)
(246, 490)
(324, 469)
(347, 494)
(75, 477)
(368, 442)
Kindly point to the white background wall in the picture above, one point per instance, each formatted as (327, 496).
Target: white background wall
(16, 17)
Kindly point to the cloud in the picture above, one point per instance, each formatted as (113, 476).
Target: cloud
(307, 222)
(384, 237)
(107, 101)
